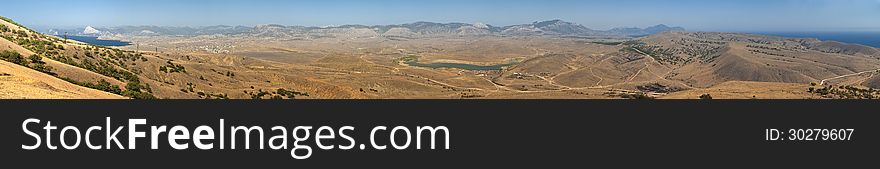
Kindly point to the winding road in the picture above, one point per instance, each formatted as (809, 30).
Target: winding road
(847, 75)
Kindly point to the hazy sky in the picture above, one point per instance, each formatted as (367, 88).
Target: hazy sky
(703, 15)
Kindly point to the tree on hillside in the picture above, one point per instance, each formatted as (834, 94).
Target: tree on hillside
(36, 59)
(706, 97)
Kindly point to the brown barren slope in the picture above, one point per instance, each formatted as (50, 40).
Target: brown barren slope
(18, 82)
(748, 90)
(705, 59)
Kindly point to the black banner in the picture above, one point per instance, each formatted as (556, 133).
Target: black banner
(481, 133)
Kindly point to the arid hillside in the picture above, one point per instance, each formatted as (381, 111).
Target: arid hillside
(18, 82)
(22, 80)
(145, 75)
(707, 59)
(680, 65)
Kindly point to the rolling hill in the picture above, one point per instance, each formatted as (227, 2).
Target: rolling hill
(548, 59)
(151, 75)
(704, 59)
(21, 82)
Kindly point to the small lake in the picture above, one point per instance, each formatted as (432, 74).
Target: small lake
(459, 65)
(99, 42)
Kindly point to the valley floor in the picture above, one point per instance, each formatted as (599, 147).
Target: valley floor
(545, 68)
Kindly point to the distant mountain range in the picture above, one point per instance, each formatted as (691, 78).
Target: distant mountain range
(410, 30)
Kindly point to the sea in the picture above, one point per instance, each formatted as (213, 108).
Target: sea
(99, 42)
(865, 38)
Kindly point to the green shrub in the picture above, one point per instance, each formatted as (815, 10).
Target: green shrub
(12, 56)
(290, 94)
(172, 68)
(138, 95)
(43, 68)
(36, 59)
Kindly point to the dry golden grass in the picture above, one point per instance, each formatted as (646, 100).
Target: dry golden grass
(18, 82)
(748, 90)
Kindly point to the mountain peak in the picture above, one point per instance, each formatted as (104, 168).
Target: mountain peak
(660, 26)
(422, 28)
(634, 31)
(663, 28)
(481, 25)
(552, 22)
(269, 25)
(91, 30)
